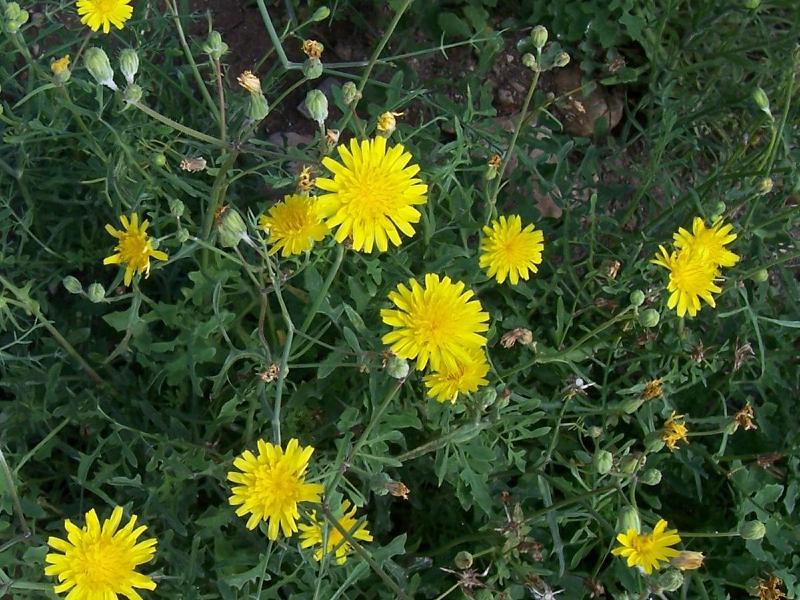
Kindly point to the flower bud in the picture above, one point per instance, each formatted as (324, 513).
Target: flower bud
(688, 560)
(397, 367)
(539, 36)
(312, 68)
(232, 228)
(649, 318)
(650, 477)
(258, 108)
(602, 462)
(386, 124)
(595, 432)
(322, 13)
(627, 519)
(313, 49)
(214, 46)
(60, 69)
(129, 64)
(133, 93)
(719, 209)
(631, 463)
(96, 61)
(15, 17)
(182, 236)
(752, 530)
(159, 159)
(317, 106)
(561, 60)
(637, 298)
(761, 100)
(250, 82)
(760, 276)
(72, 285)
(529, 61)
(751, 4)
(350, 92)
(176, 208)
(765, 186)
(669, 581)
(487, 396)
(463, 560)
(96, 293)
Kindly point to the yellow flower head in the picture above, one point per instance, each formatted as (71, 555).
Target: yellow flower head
(439, 323)
(134, 247)
(271, 484)
(104, 13)
(58, 67)
(675, 431)
(691, 277)
(99, 561)
(372, 194)
(293, 225)
(648, 550)
(710, 242)
(509, 251)
(465, 377)
(313, 534)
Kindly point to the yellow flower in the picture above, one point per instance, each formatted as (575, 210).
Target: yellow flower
(293, 225)
(691, 277)
(104, 13)
(314, 533)
(464, 377)
(509, 251)
(134, 248)
(99, 562)
(710, 242)
(675, 431)
(58, 67)
(648, 550)
(271, 484)
(372, 194)
(439, 323)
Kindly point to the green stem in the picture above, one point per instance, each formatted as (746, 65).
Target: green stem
(81, 123)
(714, 534)
(223, 127)
(276, 40)
(287, 347)
(320, 296)
(26, 532)
(41, 444)
(177, 126)
(567, 501)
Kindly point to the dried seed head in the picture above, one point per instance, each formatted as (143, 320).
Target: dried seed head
(193, 164)
(250, 82)
(312, 49)
(521, 335)
(398, 489)
(770, 588)
(305, 180)
(688, 560)
(744, 418)
(270, 374)
(652, 389)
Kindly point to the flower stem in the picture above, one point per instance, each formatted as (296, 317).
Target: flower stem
(322, 294)
(177, 126)
(26, 532)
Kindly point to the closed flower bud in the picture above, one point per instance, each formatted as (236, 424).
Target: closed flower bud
(317, 106)
(529, 61)
(312, 68)
(96, 293)
(752, 530)
(765, 186)
(463, 560)
(487, 396)
(631, 463)
(60, 69)
(761, 100)
(649, 318)
(182, 236)
(350, 93)
(387, 123)
(561, 60)
(322, 13)
(602, 462)
(688, 560)
(595, 432)
(669, 581)
(539, 36)
(159, 159)
(760, 276)
(719, 209)
(637, 298)
(628, 518)
(258, 108)
(397, 367)
(99, 67)
(176, 208)
(129, 64)
(650, 477)
(72, 285)
(15, 17)
(133, 93)
(751, 4)
(232, 228)
(214, 46)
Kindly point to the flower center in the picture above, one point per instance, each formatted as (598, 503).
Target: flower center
(133, 248)
(690, 277)
(106, 7)
(101, 565)
(276, 487)
(370, 195)
(643, 544)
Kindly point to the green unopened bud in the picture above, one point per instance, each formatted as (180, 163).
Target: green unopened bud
(232, 228)
(317, 106)
(72, 284)
(752, 530)
(650, 477)
(637, 298)
(129, 64)
(258, 108)
(632, 463)
(463, 560)
(96, 292)
(603, 461)
(15, 17)
(96, 61)
(397, 367)
(761, 100)
(176, 208)
(214, 46)
(529, 61)
(669, 581)
(627, 519)
(322, 13)
(751, 4)
(561, 60)
(649, 318)
(595, 432)
(133, 93)
(539, 36)
(312, 68)
(760, 276)
(719, 210)
(182, 236)
(350, 93)
(765, 186)
(159, 159)
(487, 396)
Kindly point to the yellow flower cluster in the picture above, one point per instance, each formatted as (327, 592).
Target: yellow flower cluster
(694, 266)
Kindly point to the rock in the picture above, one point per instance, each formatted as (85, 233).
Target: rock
(582, 111)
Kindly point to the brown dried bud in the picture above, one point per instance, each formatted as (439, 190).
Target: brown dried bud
(510, 338)
(398, 489)
(744, 418)
(250, 82)
(312, 48)
(688, 560)
(193, 165)
(270, 374)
